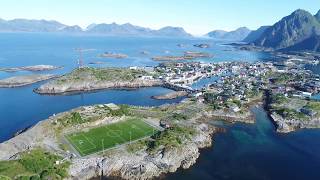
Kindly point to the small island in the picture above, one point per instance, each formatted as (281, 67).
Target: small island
(18, 81)
(113, 55)
(188, 55)
(89, 79)
(202, 45)
(171, 95)
(169, 58)
(31, 68)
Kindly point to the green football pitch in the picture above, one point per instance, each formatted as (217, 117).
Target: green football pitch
(108, 136)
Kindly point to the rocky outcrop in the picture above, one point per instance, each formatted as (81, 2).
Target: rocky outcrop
(188, 55)
(54, 87)
(246, 117)
(31, 68)
(171, 95)
(143, 165)
(285, 125)
(37, 136)
(17, 81)
(119, 162)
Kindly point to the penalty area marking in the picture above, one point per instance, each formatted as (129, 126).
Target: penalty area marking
(83, 150)
(74, 145)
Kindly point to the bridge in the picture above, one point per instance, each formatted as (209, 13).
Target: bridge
(178, 87)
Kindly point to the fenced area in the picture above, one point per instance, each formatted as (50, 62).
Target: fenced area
(105, 137)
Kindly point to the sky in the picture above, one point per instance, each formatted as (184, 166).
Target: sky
(195, 16)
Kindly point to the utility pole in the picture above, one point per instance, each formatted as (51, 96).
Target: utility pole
(80, 60)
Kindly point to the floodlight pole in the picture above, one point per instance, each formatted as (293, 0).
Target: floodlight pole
(102, 169)
(102, 146)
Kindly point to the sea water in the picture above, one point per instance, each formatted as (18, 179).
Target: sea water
(245, 151)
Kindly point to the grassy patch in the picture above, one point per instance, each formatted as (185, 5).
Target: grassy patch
(137, 146)
(313, 105)
(102, 74)
(72, 119)
(291, 113)
(124, 110)
(279, 98)
(104, 137)
(178, 116)
(171, 137)
(35, 164)
(75, 118)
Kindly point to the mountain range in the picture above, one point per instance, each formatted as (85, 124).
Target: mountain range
(254, 35)
(113, 29)
(236, 35)
(298, 31)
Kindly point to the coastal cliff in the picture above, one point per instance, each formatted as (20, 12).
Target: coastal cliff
(292, 113)
(37, 136)
(142, 165)
(285, 125)
(116, 163)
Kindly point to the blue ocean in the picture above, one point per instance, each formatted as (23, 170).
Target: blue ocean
(245, 151)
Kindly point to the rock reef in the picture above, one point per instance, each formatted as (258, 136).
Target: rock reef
(31, 68)
(171, 95)
(113, 55)
(17, 81)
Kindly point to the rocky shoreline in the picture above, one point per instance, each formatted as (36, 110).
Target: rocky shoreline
(188, 55)
(115, 162)
(247, 117)
(142, 165)
(54, 88)
(31, 68)
(91, 79)
(18, 81)
(289, 125)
